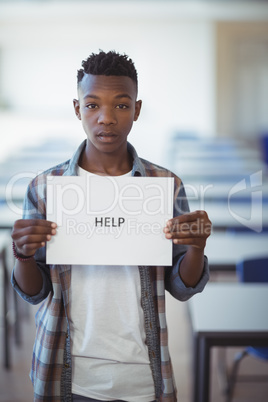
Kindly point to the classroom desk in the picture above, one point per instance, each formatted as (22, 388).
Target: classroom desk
(225, 314)
(17, 170)
(8, 215)
(4, 240)
(217, 166)
(225, 250)
(240, 214)
(221, 191)
(14, 188)
(191, 141)
(213, 177)
(196, 153)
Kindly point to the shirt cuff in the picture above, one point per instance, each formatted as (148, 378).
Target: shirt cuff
(178, 288)
(35, 299)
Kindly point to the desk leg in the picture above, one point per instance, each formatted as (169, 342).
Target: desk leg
(204, 370)
(17, 319)
(196, 364)
(5, 306)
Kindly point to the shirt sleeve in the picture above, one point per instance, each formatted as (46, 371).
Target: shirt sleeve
(173, 281)
(34, 208)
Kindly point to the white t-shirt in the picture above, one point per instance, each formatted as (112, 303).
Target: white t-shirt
(108, 342)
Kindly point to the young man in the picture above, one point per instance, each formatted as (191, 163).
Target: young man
(101, 331)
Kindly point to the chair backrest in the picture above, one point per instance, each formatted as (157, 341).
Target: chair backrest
(254, 270)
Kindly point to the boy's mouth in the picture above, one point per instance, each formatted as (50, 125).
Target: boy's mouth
(106, 136)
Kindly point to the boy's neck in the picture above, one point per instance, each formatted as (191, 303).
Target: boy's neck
(105, 164)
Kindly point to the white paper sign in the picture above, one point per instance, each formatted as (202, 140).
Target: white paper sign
(109, 220)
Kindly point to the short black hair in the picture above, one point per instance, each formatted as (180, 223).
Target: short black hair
(110, 63)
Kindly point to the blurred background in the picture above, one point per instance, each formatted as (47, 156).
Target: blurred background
(203, 78)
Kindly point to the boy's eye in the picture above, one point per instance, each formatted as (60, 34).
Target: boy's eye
(122, 106)
(92, 106)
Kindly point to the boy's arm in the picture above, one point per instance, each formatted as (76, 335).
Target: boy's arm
(190, 272)
(28, 277)
(30, 235)
(191, 229)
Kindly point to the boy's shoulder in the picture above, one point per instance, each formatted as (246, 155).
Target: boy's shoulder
(57, 170)
(36, 191)
(154, 170)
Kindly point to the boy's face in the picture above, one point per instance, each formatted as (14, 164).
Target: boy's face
(107, 107)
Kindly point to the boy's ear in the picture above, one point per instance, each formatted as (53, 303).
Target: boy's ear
(137, 109)
(77, 108)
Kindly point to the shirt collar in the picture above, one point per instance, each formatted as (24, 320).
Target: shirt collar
(137, 169)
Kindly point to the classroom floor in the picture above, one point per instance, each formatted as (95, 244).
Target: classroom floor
(15, 384)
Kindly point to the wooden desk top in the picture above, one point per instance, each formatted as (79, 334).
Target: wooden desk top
(229, 249)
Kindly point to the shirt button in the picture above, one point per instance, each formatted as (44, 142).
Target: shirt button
(67, 336)
(66, 365)
(151, 326)
(153, 354)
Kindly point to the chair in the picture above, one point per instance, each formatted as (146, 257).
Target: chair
(253, 270)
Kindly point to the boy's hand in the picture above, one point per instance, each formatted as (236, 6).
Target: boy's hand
(32, 234)
(192, 228)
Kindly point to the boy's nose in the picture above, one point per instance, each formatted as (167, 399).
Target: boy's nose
(107, 117)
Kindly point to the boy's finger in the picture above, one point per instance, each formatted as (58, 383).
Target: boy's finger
(34, 222)
(30, 249)
(178, 227)
(28, 231)
(188, 217)
(31, 239)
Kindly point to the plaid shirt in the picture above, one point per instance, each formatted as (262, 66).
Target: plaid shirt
(51, 372)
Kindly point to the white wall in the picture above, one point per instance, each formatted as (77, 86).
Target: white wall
(174, 58)
(171, 43)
